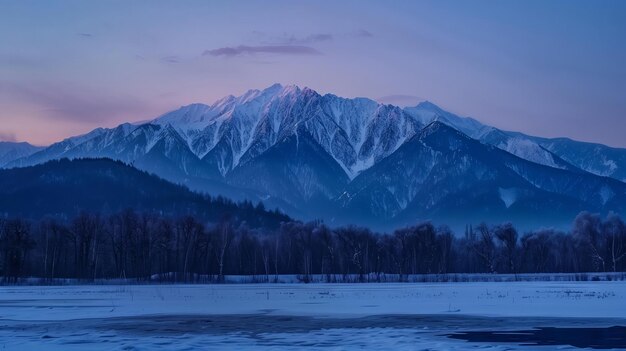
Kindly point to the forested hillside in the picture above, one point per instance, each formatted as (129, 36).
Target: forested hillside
(64, 188)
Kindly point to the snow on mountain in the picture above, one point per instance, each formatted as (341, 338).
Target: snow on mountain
(442, 174)
(528, 150)
(341, 159)
(54, 151)
(523, 147)
(594, 158)
(427, 112)
(355, 132)
(559, 153)
(10, 151)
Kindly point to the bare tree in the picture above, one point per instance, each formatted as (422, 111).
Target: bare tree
(266, 255)
(224, 239)
(16, 243)
(190, 232)
(615, 231)
(85, 233)
(485, 247)
(328, 257)
(588, 228)
(507, 236)
(445, 239)
(536, 248)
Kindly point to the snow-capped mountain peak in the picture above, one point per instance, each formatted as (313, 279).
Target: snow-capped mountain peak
(427, 112)
(304, 150)
(355, 132)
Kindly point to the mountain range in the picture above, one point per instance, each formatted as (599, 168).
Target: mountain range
(359, 161)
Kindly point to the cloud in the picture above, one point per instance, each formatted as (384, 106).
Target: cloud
(231, 51)
(310, 39)
(85, 35)
(279, 45)
(170, 59)
(363, 33)
(7, 136)
(289, 39)
(77, 104)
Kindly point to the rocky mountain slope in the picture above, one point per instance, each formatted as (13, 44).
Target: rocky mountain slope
(355, 160)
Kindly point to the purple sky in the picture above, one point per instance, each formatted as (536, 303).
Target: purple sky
(548, 68)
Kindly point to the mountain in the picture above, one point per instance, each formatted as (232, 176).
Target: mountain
(10, 151)
(355, 132)
(296, 170)
(356, 160)
(54, 151)
(201, 145)
(444, 175)
(66, 187)
(594, 158)
(555, 152)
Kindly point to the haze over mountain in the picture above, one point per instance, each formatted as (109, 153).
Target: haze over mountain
(356, 160)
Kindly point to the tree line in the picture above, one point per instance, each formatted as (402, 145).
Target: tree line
(130, 244)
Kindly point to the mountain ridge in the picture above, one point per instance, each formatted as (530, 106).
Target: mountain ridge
(65, 188)
(11, 151)
(227, 148)
(419, 186)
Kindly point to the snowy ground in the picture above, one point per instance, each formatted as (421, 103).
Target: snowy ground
(298, 316)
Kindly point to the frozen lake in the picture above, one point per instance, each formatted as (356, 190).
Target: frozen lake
(452, 316)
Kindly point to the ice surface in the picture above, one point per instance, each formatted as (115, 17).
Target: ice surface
(295, 316)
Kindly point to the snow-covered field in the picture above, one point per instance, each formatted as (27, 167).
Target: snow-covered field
(297, 316)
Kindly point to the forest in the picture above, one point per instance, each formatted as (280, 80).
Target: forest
(129, 244)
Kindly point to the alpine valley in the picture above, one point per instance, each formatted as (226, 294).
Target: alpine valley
(358, 161)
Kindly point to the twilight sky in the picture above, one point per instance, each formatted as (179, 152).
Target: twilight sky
(548, 68)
